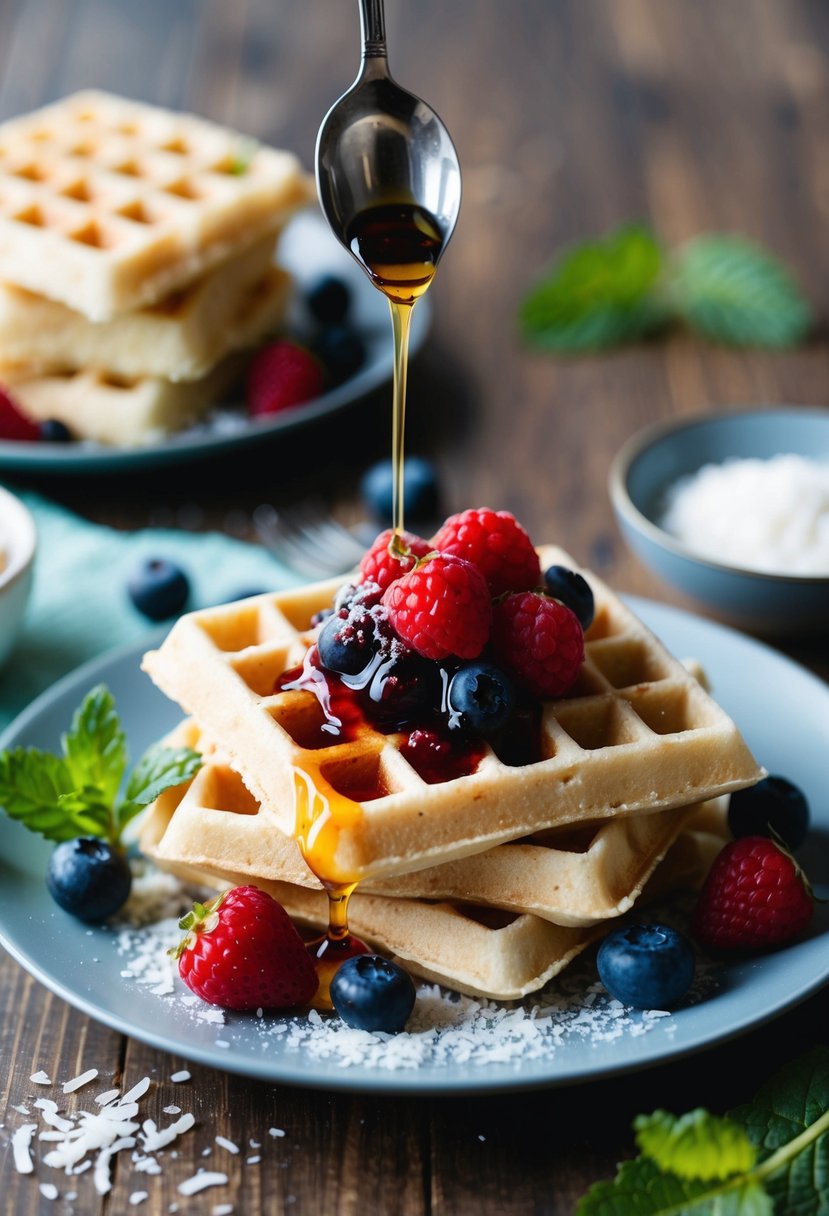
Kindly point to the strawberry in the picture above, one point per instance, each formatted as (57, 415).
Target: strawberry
(755, 897)
(282, 374)
(441, 608)
(538, 641)
(495, 542)
(382, 566)
(13, 422)
(242, 951)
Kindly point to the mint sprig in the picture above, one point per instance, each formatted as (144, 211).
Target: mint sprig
(628, 286)
(76, 793)
(768, 1158)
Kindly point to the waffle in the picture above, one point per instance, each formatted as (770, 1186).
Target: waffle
(637, 733)
(180, 338)
(108, 204)
(575, 878)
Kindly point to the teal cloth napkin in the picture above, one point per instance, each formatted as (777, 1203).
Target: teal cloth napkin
(79, 607)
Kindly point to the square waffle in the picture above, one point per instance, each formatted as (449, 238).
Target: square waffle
(576, 878)
(181, 337)
(636, 733)
(108, 204)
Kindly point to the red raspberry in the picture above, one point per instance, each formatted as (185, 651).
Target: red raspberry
(495, 542)
(441, 608)
(755, 897)
(242, 951)
(382, 567)
(282, 374)
(538, 641)
(13, 422)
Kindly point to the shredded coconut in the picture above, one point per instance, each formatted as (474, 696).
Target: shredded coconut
(201, 1181)
(40, 1078)
(766, 515)
(69, 1087)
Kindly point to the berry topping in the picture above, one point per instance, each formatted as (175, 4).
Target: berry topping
(329, 299)
(13, 422)
(341, 350)
(648, 966)
(420, 482)
(158, 588)
(88, 878)
(573, 590)
(755, 897)
(382, 566)
(242, 951)
(55, 431)
(538, 641)
(480, 698)
(495, 542)
(347, 641)
(372, 993)
(774, 806)
(282, 374)
(441, 608)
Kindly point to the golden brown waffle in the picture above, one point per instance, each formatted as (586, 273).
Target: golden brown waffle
(108, 204)
(637, 733)
(180, 338)
(573, 877)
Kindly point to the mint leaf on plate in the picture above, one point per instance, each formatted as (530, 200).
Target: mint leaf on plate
(157, 770)
(95, 745)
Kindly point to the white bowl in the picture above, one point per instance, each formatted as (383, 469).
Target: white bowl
(18, 542)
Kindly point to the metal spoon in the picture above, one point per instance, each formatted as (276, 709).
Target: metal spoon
(380, 144)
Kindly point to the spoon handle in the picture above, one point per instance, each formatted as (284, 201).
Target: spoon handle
(373, 23)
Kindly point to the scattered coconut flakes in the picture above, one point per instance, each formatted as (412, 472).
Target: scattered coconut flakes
(107, 1096)
(153, 1139)
(48, 1190)
(181, 1075)
(275, 1132)
(40, 1078)
(21, 1143)
(228, 1144)
(21, 1109)
(171, 1110)
(201, 1181)
(84, 1078)
(138, 1197)
(222, 1209)
(253, 1160)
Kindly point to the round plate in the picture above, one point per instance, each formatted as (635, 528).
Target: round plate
(782, 709)
(307, 248)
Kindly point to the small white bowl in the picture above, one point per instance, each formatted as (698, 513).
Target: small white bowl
(18, 542)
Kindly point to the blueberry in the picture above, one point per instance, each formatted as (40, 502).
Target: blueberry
(88, 878)
(773, 805)
(52, 430)
(480, 697)
(347, 643)
(420, 489)
(372, 993)
(648, 966)
(341, 350)
(404, 689)
(328, 299)
(158, 588)
(573, 591)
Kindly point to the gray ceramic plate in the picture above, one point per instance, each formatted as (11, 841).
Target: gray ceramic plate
(307, 248)
(782, 709)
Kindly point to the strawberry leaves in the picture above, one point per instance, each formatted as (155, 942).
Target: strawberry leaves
(768, 1158)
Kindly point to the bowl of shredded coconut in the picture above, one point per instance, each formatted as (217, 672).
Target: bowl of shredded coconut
(732, 509)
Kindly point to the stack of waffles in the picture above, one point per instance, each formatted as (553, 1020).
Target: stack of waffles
(136, 262)
(489, 882)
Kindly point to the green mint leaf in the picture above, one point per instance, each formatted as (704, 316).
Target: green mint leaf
(598, 295)
(734, 292)
(95, 746)
(87, 816)
(641, 1189)
(32, 786)
(695, 1145)
(157, 770)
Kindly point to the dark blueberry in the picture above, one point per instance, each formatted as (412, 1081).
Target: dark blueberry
(372, 993)
(773, 805)
(648, 966)
(52, 430)
(420, 490)
(328, 299)
(480, 697)
(341, 350)
(158, 588)
(347, 642)
(88, 878)
(405, 688)
(573, 591)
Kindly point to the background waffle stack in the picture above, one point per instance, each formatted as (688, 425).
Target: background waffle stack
(490, 882)
(136, 259)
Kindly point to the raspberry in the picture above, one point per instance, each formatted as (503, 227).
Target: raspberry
(441, 608)
(538, 641)
(495, 542)
(13, 422)
(282, 374)
(382, 567)
(755, 897)
(242, 951)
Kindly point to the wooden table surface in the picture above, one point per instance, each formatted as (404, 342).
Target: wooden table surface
(570, 116)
